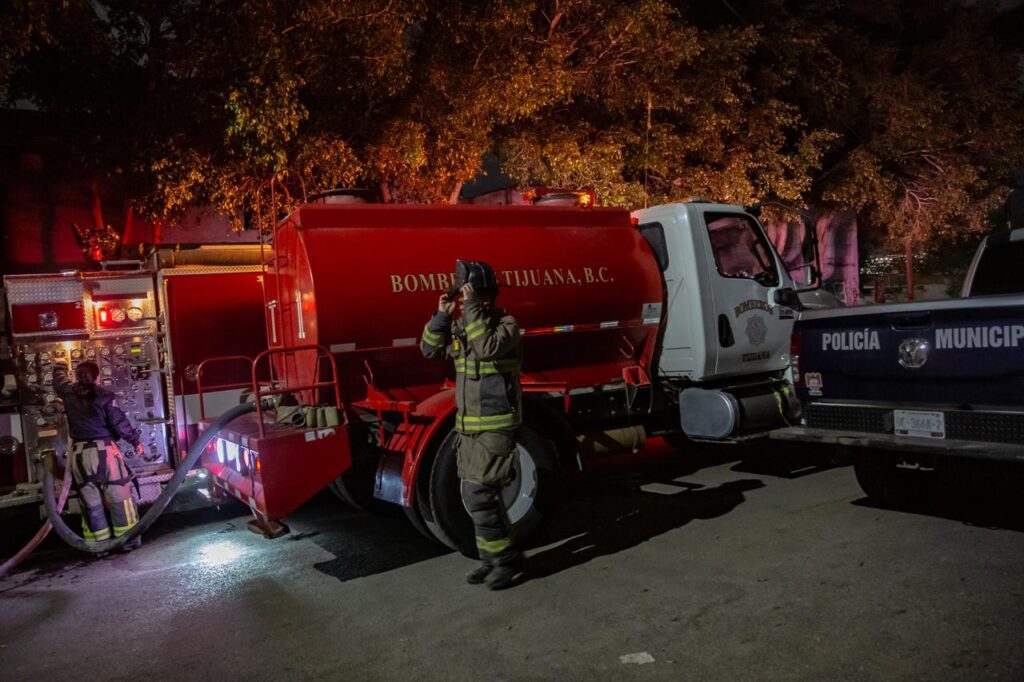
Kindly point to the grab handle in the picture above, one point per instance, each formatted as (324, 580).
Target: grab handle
(911, 321)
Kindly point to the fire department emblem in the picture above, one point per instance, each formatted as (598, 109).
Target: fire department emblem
(913, 353)
(757, 330)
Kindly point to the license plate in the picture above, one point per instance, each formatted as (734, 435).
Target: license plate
(919, 424)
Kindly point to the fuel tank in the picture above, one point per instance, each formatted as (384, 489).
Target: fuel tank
(362, 280)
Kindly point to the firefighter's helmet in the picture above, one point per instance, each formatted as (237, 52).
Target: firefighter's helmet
(478, 273)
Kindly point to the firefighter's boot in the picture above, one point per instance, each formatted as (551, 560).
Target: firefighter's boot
(479, 574)
(505, 575)
(132, 544)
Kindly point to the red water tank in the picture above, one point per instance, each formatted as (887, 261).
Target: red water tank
(362, 280)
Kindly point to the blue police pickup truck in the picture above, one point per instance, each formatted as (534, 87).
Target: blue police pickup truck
(912, 390)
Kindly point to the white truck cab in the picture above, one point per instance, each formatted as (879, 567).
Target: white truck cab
(721, 278)
(730, 313)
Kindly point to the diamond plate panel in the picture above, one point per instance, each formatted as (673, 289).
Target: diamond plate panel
(150, 487)
(55, 289)
(121, 285)
(987, 427)
(849, 418)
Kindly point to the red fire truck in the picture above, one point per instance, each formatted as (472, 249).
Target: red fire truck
(675, 320)
(148, 325)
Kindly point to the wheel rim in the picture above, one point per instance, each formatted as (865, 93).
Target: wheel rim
(520, 495)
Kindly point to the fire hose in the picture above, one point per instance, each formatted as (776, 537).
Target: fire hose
(53, 506)
(41, 534)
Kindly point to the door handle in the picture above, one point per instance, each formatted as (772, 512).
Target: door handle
(911, 321)
(725, 337)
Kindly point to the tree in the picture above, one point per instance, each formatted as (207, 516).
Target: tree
(64, 60)
(930, 121)
(910, 112)
(206, 103)
(686, 121)
(220, 102)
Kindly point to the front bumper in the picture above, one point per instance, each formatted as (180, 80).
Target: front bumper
(993, 433)
(1005, 452)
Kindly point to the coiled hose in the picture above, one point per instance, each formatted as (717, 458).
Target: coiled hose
(195, 452)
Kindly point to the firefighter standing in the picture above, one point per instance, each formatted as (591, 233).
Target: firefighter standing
(101, 475)
(484, 343)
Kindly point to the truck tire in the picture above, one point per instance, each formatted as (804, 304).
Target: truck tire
(415, 516)
(883, 480)
(530, 498)
(355, 488)
(842, 456)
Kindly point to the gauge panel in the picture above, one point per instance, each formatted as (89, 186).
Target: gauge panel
(128, 368)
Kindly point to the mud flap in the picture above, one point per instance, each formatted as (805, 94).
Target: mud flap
(389, 485)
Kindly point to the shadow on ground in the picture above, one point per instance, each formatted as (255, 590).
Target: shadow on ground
(362, 544)
(613, 513)
(994, 507)
(785, 460)
(609, 522)
(602, 515)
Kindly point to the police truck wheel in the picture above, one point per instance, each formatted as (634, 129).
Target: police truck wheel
(882, 479)
(529, 498)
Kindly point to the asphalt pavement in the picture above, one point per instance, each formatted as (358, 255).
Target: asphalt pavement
(737, 564)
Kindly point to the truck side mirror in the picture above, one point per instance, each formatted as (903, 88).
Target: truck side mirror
(810, 275)
(787, 297)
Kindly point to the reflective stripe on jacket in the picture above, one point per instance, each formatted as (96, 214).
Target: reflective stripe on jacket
(485, 345)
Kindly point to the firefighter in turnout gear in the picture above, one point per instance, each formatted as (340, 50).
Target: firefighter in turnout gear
(484, 343)
(101, 474)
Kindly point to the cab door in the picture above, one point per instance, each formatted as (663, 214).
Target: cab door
(686, 353)
(751, 331)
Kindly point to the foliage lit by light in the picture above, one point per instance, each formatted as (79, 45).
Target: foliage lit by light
(910, 113)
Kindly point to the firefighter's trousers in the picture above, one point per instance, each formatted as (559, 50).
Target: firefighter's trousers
(105, 486)
(482, 499)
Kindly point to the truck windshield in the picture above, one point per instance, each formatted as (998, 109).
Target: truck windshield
(741, 250)
(999, 271)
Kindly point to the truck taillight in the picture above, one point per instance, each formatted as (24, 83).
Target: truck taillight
(794, 359)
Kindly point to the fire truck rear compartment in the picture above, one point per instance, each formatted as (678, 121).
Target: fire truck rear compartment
(276, 470)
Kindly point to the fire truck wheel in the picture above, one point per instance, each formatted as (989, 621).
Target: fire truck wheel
(529, 498)
(355, 487)
(415, 516)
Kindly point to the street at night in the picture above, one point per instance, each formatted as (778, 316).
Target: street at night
(753, 568)
(511, 340)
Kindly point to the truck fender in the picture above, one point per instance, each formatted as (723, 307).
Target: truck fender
(432, 421)
(431, 417)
